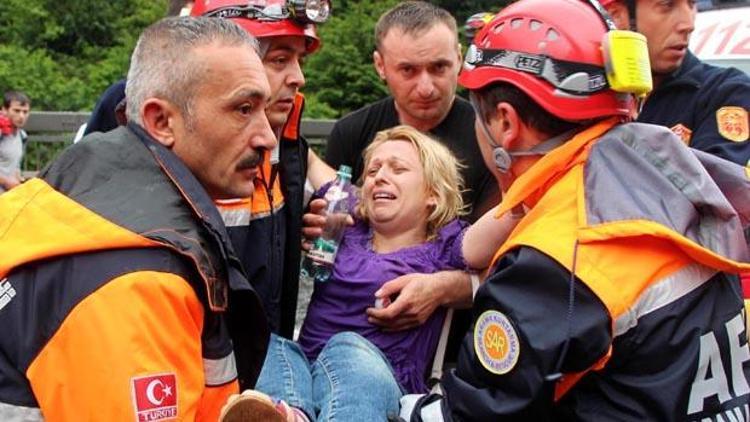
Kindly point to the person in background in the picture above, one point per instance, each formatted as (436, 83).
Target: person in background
(706, 106)
(125, 300)
(603, 304)
(13, 117)
(475, 23)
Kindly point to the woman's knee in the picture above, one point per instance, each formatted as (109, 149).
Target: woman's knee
(353, 356)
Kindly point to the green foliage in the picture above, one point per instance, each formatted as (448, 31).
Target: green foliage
(64, 53)
(341, 75)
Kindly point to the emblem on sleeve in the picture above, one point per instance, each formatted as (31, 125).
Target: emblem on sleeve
(732, 123)
(155, 397)
(496, 343)
(683, 132)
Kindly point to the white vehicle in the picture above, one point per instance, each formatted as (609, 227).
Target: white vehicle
(722, 37)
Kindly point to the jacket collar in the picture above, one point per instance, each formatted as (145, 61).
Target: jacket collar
(530, 186)
(210, 219)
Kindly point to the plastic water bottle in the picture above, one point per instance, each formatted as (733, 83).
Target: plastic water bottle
(322, 254)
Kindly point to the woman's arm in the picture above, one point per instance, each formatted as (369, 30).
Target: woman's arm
(485, 236)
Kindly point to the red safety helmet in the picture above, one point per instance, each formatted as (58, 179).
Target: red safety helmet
(270, 18)
(552, 51)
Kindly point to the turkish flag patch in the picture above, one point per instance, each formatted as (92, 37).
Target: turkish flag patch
(155, 397)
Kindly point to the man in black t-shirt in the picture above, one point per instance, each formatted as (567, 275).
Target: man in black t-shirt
(418, 56)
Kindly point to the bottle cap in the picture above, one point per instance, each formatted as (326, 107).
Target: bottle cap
(344, 170)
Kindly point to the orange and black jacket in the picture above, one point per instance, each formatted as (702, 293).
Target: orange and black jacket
(121, 298)
(620, 286)
(272, 217)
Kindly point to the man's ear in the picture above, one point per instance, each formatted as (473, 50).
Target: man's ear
(377, 61)
(620, 14)
(508, 126)
(158, 118)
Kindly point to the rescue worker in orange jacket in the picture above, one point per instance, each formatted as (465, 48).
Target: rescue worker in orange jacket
(272, 216)
(120, 295)
(613, 298)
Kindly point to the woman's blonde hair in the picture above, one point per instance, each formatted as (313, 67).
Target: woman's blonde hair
(441, 174)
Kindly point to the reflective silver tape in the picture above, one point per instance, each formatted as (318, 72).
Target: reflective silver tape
(662, 293)
(11, 413)
(220, 371)
(235, 217)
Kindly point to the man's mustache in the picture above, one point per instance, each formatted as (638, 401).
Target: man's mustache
(252, 160)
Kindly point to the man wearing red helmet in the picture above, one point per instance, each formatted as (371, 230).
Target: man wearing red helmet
(266, 227)
(706, 106)
(609, 300)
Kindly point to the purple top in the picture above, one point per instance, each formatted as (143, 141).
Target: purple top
(340, 303)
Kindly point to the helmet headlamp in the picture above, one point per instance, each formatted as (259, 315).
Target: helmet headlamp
(302, 11)
(310, 11)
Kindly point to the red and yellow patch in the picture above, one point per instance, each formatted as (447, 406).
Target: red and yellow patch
(732, 123)
(496, 343)
(683, 132)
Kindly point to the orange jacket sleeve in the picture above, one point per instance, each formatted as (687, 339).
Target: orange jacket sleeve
(129, 351)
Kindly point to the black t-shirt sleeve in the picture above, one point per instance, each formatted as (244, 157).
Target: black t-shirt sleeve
(533, 292)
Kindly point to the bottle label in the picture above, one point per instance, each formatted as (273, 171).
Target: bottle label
(323, 251)
(336, 193)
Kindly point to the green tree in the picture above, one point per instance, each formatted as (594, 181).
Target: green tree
(340, 77)
(64, 53)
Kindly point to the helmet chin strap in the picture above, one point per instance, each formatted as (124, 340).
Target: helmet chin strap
(504, 158)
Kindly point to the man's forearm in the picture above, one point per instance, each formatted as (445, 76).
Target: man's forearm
(318, 172)
(455, 289)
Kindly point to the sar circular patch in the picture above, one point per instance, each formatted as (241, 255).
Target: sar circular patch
(496, 343)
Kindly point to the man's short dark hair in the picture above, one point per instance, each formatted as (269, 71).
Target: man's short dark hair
(18, 96)
(531, 113)
(413, 17)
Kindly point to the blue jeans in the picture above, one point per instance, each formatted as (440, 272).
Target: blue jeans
(351, 380)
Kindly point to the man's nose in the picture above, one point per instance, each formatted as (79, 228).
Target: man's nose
(296, 77)
(425, 85)
(685, 17)
(263, 137)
